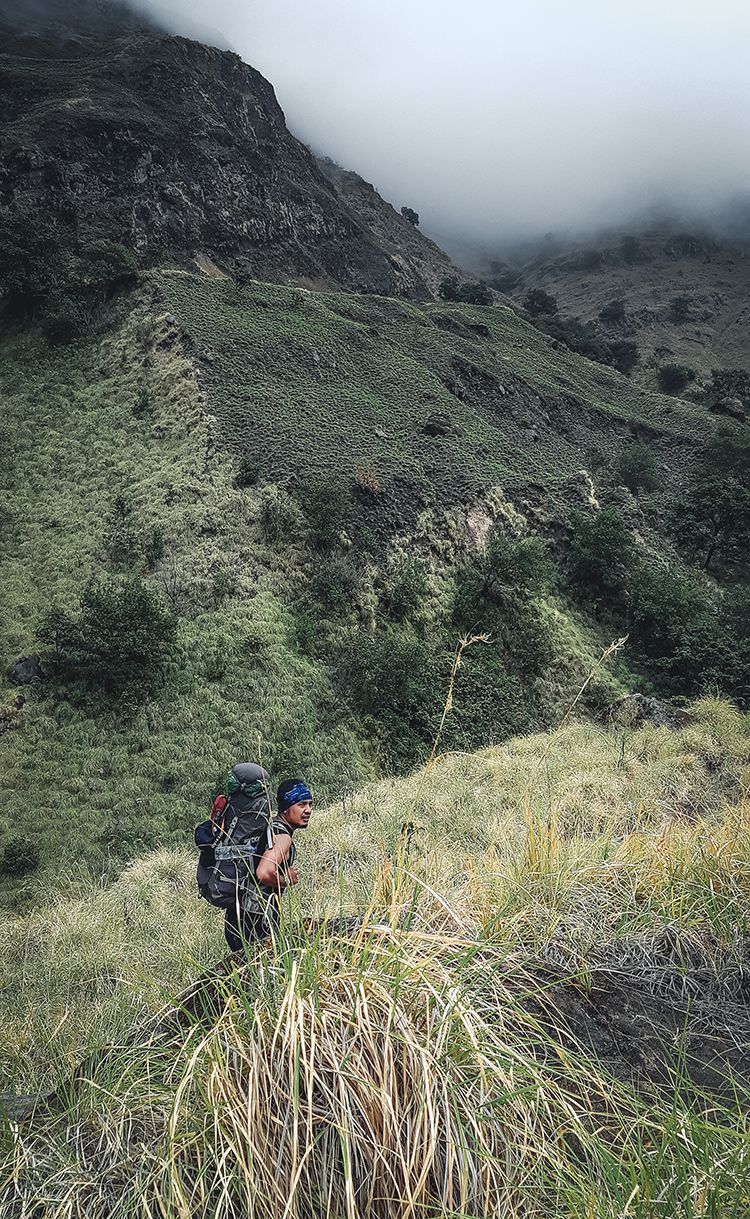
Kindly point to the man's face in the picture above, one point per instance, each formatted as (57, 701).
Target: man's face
(298, 815)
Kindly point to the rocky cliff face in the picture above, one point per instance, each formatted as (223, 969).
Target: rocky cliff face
(168, 145)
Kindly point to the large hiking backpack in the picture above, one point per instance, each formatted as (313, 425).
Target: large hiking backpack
(237, 833)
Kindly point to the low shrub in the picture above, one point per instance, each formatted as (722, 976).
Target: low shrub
(470, 294)
(637, 468)
(624, 355)
(613, 312)
(326, 504)
(18, 857)
(679, 309)
(336, 583)
(405, 588)
(674, 377)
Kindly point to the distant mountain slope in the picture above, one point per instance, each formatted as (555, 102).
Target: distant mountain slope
(711, 329)
(177, 148)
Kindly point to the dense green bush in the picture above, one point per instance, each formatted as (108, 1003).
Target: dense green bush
(19, 856)
(116, 643)
(538, 302)
(44, 274)
(601, 557)
(336, 583)
(674, 377)
(578, 336)
(490, 702)
(32, 261)
(476, 293)
(248, 472)
(396, 682)
(624, 355)
(496, 593)
(730, 383)
(674, 629)
(637, 468)
(732, 658)
(409, 214)
(470, 294)
(104, 267)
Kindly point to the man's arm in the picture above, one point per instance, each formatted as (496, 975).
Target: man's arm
(272, 869)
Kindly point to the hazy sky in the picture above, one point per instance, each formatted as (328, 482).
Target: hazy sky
(499, 119)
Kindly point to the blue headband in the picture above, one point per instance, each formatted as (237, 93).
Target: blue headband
(294, 795)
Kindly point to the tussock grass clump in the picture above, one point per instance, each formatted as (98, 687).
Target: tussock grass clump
(388, 1073)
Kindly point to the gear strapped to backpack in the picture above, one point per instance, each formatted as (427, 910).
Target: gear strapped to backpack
(237, 833)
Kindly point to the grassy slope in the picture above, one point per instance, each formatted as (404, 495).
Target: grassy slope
(311, 381)
(587, 848)
(104, 787)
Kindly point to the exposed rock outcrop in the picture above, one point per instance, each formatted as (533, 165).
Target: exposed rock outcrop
(123, 132)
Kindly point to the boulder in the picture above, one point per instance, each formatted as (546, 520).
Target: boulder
(26, 670)
(637, 709)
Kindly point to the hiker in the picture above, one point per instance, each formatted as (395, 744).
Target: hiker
(246, 851)
(256, 915)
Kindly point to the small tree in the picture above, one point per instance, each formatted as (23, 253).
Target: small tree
(405, 588)
(538, 302)
(712, 520)
(471, 294)
(31, 261)
(673, 628)
(476, 294)
(107, 267)
(730, 383)
(450, 288)
(326, 503)
(409, 214)
(279, 516)
(336, 583)
(118, 640)
(601, 556)
(248, 472)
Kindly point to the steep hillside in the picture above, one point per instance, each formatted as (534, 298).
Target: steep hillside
(173, 147)
(709, 278)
